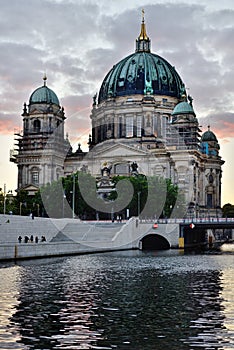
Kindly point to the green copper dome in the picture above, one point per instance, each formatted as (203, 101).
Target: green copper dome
(208, 136)
(44, 95)
(142, 73)
(183, 108)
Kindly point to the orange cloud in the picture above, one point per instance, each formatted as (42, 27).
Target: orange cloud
(8, 127)
(222, 125)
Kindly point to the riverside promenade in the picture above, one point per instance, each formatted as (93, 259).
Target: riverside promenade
(65, 236)
(48, 237)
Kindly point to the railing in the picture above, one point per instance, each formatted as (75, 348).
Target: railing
(187, 220)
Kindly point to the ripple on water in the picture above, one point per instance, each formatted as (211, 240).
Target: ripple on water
(119, 300)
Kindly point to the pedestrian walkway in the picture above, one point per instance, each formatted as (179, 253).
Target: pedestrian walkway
(13, 226)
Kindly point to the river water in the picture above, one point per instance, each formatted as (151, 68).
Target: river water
(122, 300)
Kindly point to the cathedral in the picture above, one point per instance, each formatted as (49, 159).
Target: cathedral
(143, 122)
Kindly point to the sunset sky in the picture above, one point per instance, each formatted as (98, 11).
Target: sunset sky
(76, 42)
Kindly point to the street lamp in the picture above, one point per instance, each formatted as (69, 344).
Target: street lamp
(73, 196)
(64, 196)
(38, 209)
(138, 203)
(112, 214)
(4, 199)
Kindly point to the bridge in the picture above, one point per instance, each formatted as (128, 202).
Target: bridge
(187, 233)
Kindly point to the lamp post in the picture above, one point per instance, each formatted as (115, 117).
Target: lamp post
(112, 214)
(38, 209)
(4, 200)
(64, 196)
(73, 197)
(138, 203)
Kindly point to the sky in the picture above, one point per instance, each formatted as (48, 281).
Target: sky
(76, 43)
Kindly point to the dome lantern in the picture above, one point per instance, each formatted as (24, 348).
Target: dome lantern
(143, 41)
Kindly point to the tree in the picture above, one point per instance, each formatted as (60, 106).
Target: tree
(22, 203)
(58, 198)
(52, 199)
(153, 196)
(228, 210)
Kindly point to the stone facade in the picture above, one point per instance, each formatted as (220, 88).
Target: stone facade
(142, 116)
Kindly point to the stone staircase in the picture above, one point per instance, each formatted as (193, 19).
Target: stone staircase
(12, 226)
(60, 230)
(93, 231)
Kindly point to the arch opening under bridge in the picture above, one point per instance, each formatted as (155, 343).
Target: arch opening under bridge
(154, 241)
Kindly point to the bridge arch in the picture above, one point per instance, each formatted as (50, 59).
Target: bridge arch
(154, 241)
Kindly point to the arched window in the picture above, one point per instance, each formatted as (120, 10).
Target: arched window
(35, 176)
(36, 125)
(209, 200)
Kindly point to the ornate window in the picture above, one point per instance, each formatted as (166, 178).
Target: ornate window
(36, 125)
(139, 126)
(120, 127)
(129, 127)
(35, 176)
(209, 200)
(164, 125)
(155, 125)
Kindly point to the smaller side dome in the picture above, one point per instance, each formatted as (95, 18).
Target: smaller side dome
(44, 95)
(208, 136)
(183, 108)
(209, 143)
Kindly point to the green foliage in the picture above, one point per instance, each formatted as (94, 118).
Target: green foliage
(153, 197)
(228, 210)
(21, 204)
(58, 197)
(52, 199)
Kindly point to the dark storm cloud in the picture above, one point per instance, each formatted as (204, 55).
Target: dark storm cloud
(76, 43)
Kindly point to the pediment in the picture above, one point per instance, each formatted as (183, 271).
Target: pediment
(31, 189)
(34, 111)
(120, 150)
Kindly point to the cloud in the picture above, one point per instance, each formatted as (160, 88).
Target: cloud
(78, 42)
(8, 125)
(222, 124)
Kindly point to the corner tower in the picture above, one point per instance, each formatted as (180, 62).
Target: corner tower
(41, 146)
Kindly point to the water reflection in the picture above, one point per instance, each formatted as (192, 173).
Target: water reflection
(122, 301)
(149, 309)
(8, 304)
(228, 302)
